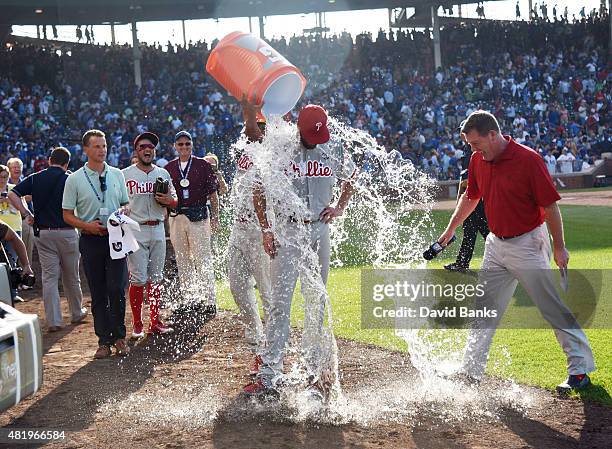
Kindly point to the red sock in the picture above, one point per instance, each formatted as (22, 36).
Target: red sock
(154, 292)
(136, 294)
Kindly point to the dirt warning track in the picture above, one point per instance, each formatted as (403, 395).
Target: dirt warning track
(182, 391)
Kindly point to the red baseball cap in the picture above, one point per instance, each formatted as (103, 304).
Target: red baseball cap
(312, 123)
(146, 135)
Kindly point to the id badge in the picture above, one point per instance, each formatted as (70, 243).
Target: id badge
(104, 212)
(185, 194)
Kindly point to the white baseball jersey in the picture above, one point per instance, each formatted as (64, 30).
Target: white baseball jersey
(242, 188)
(140, 193)
(315, 172)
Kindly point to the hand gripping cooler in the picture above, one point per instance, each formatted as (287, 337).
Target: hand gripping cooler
(20, 356)
(246, 65)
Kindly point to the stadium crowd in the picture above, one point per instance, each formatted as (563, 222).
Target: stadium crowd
(548, 87)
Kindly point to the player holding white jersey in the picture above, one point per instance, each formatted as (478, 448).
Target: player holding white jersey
(150, 193)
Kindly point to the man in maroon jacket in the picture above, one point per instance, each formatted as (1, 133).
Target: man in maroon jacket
(191, 227)
(519, 198)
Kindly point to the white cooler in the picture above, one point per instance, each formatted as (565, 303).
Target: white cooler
(21, 352)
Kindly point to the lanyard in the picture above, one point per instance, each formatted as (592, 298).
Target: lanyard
(101, 200)
(187, 168)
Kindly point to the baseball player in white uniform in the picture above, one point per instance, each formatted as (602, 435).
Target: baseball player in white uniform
(315, 169)
(247, 259)
(148, 209)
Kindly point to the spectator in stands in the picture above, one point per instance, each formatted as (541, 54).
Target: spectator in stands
(558, 91)
(551, 162)
(565, 161)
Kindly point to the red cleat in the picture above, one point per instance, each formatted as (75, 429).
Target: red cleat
(160, 328)
(256, 366)
(260, 390)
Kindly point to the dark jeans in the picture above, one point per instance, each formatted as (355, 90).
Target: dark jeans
(107, 279)
(475, 223)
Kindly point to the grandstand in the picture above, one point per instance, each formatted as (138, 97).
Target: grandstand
(546, 81)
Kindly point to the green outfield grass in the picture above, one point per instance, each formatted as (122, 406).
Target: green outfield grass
(535, 356)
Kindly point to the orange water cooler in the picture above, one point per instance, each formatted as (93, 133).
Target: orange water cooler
(246, 65)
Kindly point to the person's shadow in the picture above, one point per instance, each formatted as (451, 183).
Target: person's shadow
(245, 423)
(593, 434)
(73, 404)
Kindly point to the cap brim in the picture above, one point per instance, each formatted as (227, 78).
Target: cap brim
(147, 135)
(182, 134)
(317, 138)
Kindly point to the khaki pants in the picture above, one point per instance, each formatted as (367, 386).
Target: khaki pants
(524, 259)
(191, 243)
(58, 251)
(27, 235)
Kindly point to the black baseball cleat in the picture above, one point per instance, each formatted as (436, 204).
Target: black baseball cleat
(574, 382)
(209, 312)
(456, 267)
(463, 379)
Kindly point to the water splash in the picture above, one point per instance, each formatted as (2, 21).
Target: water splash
(387, 225)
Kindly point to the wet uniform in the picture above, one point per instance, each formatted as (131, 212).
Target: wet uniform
(247, 258)
(314, 173)
(146, 266)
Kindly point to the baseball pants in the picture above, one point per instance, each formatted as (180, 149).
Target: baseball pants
(191, 243)
(289, 264)
(248, 261)
(147, 264)
(524, 259)
(58, 251)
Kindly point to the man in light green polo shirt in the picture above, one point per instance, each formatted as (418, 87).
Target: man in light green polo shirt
(91, 194)
(91, 201)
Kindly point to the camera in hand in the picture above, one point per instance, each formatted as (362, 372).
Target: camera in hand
(17, 277)
(161, 185)
(436, 249)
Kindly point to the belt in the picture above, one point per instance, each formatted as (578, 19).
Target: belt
(150, 223)
(295, 220)
(510, 237)
(61, 228)
(89, 234)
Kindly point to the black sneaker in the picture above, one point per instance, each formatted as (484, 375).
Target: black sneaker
(574, 382)
(456, 267)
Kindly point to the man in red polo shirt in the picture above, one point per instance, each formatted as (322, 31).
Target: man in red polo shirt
(519, 197)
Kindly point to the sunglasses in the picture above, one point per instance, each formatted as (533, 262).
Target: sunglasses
(145, 146)
(103, 183)
(183, 144)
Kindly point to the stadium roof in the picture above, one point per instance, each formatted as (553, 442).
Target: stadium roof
(92, 12)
